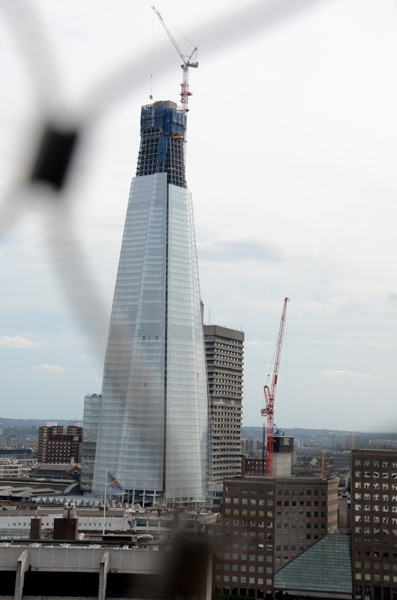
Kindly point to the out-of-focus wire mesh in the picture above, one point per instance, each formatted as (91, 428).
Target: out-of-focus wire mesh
(62, 126)
(63, 123)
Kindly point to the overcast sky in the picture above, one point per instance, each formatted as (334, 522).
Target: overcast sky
(291, 154)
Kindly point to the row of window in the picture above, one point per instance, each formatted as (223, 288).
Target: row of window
(371, 530)
(251, 557)
(375, 519)
(301, 525)
(243, 568)
(375, 474)
(301, 492)
(244, 512)
(375, 463)
(357, 496)
(244, 501)
(244, 490)
(376, 507)
(369, 541)
(250, 580)
(301, 503)
(375, 485)
(375, 577)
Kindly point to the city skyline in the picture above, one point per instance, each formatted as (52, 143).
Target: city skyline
(300, 204)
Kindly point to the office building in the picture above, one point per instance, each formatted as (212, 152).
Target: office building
(21, 455)
(331, 443)
(350, 441)
(374, 524)
(10, 470)
(265, 523)
(224, 350)
(254, 446)
(59, 446)
(92, 405)
(283, 448)
(153, 425)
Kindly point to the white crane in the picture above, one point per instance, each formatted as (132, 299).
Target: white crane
(188, 61)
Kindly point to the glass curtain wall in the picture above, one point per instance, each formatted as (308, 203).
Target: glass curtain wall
(154, 413)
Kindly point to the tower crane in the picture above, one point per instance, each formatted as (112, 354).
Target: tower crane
(187, 61)
(270, 394)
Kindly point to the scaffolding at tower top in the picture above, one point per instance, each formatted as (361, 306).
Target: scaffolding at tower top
(163, 133)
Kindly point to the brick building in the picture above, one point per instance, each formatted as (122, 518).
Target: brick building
(374, 524)
(265, 523)
(57, 446)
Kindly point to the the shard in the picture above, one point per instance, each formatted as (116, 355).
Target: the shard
(153, 425)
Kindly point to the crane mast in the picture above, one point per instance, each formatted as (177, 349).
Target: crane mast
(187, 61)
(270, 394)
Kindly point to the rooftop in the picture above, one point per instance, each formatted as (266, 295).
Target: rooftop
(324, 568)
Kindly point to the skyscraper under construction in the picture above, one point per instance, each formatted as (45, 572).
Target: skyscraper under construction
(153, 424)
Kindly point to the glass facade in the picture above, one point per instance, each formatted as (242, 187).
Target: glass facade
(92, 406)
(152, 432)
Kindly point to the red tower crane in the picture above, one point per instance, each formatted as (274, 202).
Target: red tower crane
(270, 394)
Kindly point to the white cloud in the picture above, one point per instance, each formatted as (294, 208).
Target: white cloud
(342, 373)
(232, 250)
(49, 368)
(257, 343)
(17, 342)
(339, 343)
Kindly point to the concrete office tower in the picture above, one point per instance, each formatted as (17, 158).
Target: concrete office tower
(92, 411)
(224, 349)
(331, 443)
(350, 441)
(153, 427)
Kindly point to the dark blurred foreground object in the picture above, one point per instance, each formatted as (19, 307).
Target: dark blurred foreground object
(188, 570)
(54, 156)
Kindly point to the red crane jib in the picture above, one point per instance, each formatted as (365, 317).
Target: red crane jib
(268, 411)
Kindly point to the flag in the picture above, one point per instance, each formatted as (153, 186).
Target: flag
(110, 480)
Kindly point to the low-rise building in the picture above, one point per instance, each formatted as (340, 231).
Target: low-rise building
(22, 455)
(68, 471)
(10, 470)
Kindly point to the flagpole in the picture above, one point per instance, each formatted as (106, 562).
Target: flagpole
(104, 502)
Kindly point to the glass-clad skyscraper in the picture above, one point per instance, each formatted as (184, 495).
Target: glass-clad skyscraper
(153, 425)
